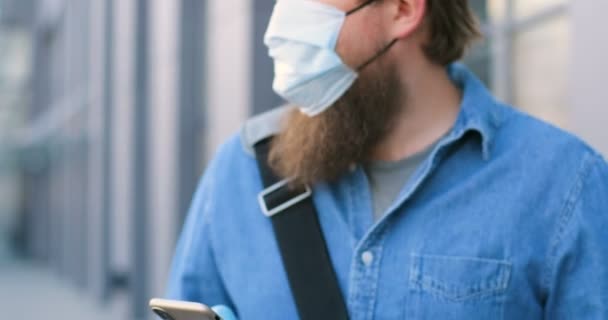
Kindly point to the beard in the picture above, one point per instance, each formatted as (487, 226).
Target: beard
(323, 148)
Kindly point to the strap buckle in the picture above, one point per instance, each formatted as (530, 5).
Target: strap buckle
(270, 212)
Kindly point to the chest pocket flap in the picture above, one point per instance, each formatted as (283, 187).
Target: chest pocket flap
(458, 279)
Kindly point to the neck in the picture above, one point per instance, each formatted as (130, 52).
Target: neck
(429, 110)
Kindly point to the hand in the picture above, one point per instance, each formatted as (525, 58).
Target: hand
(224, 312)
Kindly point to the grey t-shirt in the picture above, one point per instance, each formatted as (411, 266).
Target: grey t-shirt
(387, 178)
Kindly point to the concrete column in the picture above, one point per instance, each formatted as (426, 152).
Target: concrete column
(229, 68)
(96, 137)
(164, 155)
(122, 137)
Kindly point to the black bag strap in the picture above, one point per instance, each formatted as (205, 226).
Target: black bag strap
(306, 260)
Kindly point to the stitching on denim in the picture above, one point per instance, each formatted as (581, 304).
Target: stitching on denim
(376, 269)
(428, 284)
(564, 218)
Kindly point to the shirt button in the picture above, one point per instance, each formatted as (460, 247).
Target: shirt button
(367, 258)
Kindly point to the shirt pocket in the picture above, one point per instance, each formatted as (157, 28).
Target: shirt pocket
(451, 287)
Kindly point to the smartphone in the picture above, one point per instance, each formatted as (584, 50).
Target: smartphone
(182, 310)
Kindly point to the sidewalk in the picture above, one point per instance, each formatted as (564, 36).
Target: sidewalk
(31, 293)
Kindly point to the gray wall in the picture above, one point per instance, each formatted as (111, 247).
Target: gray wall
(263, 97)
(229, 69)
(589, 69)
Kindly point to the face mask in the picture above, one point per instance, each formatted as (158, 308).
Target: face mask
(301, 38)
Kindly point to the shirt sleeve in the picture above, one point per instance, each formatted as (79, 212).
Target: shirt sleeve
(577, 277)
(194, 275)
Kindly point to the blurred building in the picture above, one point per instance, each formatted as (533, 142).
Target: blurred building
(15, 60)
(111, 108)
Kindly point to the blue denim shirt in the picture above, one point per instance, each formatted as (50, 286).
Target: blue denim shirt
(506, 219)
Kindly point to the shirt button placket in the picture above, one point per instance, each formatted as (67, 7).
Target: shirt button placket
(367, 257)
(364, 289)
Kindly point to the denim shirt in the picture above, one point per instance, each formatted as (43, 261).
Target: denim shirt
(507, 218)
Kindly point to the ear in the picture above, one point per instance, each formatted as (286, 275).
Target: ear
(407, 17)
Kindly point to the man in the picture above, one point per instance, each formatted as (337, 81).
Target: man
(436, 201)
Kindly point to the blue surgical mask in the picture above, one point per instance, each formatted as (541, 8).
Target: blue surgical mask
(301, 39)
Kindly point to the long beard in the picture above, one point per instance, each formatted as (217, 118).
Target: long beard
(322, 148)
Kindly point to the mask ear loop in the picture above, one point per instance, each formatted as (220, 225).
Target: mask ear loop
(383, 51)
(363, 5)
(377, 55)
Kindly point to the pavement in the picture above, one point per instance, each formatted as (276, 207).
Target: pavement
(30, 292)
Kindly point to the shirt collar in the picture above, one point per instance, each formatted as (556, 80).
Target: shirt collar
(479, 111)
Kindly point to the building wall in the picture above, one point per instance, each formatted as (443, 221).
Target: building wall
(164, 152)
(95, 123)
(15, 50)
(122, 141)
(229, 68)
(588, 70)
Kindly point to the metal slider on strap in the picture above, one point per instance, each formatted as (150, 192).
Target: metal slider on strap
(270, 212)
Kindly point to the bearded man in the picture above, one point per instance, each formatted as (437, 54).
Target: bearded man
(434, 200)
